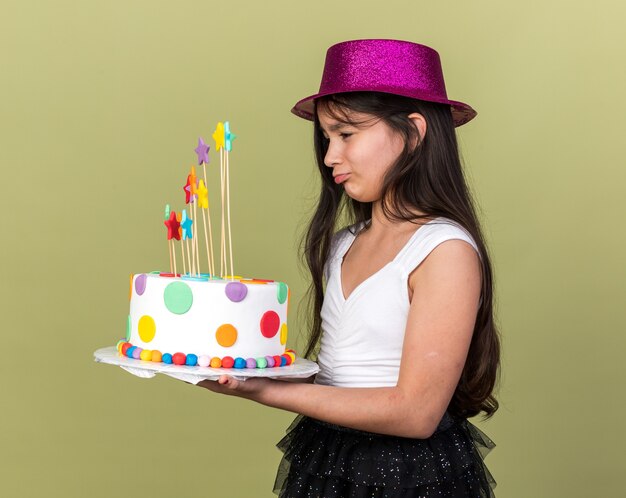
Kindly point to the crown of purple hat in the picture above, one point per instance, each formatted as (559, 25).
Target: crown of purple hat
(388, 66)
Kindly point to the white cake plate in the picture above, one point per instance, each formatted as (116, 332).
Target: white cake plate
(300, 369)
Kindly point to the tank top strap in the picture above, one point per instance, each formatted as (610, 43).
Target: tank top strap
(340, 243)
(426, 239)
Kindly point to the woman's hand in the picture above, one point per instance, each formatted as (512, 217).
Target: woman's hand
(252, 388)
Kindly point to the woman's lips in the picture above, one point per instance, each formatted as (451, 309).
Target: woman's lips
(341, 178)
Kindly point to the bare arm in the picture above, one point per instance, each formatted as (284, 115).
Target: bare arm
(446, 290)
(305, 380)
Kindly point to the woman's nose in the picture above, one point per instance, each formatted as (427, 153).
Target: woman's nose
(332, 158)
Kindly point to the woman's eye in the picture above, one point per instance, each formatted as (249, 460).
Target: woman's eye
(345, 135)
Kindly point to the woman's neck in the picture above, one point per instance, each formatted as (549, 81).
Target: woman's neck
(380, 223)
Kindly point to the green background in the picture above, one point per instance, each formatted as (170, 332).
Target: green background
(101, 104)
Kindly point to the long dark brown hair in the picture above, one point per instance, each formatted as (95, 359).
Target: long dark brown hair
(427, 177)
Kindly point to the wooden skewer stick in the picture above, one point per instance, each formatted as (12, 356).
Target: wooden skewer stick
(182, 252)
(208, 215)
(222, 238)
(175, 272)
(187, 269)
(230, 239)
(209, 248)
(206, 241)
(188, 256)
(192, 260)
(195, 234)
(169, 245)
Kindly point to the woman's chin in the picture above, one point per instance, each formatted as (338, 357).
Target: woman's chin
(351, 193)
(356, 193)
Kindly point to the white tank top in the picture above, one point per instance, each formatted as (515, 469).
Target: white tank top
(362, 336)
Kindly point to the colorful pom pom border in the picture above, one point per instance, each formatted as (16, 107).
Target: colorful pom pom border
(192, 360)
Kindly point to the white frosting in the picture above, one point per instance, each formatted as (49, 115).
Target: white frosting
(194, 332)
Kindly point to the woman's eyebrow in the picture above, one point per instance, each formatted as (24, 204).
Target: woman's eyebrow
(333, 127)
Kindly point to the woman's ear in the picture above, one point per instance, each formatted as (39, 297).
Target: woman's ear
(420, 124)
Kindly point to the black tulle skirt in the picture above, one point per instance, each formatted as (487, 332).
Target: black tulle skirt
(323, 460)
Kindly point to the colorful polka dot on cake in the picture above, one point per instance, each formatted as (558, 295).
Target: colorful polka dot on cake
(147, 328)
(178, 298)
(140, 284)
(236, 291)
(281, 292)
(226, 335)
(270, 322)
(283, 334)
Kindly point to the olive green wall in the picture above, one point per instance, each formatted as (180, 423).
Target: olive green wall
(101, 104)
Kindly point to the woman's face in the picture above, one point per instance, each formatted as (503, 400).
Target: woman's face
(360, 156)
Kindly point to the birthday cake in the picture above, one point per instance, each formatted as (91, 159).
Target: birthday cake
(202, 319)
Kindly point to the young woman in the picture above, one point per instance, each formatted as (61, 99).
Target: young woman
(401, 299)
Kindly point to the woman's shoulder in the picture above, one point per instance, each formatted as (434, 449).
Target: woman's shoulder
(443, 228)
(430, 236)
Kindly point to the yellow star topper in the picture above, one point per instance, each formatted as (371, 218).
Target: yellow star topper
(218, 136)
(203, 195)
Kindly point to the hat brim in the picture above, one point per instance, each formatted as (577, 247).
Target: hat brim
(461, 112)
